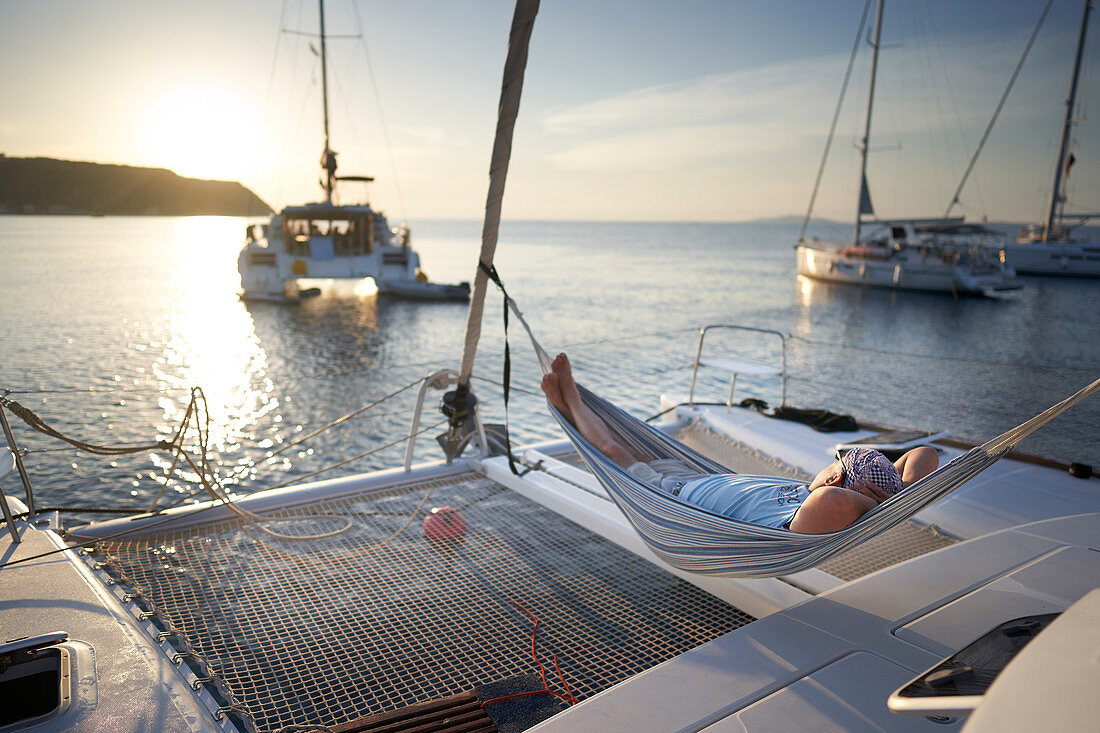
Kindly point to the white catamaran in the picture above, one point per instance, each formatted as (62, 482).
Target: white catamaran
(301, 245)
(410, 599)
(936, 255)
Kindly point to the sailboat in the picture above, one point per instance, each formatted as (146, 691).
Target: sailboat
(330, 241)
(936, 255)
(1050, 248)
(322, 606)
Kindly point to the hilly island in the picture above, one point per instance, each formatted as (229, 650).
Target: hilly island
(51, 186)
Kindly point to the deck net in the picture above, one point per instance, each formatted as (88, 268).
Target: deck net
(329, 630)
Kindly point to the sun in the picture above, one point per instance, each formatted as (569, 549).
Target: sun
(201, 133)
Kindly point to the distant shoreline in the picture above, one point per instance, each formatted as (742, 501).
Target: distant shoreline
(53, 187)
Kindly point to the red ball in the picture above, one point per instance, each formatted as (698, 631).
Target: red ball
(444, 523)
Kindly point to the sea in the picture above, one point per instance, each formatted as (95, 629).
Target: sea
(110, 326)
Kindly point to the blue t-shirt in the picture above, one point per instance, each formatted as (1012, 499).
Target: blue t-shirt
(767, 500)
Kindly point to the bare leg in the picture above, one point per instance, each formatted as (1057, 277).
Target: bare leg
(589, 424)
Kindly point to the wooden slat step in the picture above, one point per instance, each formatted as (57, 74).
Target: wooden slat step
(460, 713)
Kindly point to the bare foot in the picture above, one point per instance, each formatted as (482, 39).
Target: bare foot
(564, 371)
(552, 388)
(590, 425)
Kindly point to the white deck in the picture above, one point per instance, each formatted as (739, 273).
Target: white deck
(122, 681)
(832, 662)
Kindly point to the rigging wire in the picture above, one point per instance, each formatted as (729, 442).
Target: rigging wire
(951, 96)
(832, 126)
(1000, 105)
(198, 413)
(293, 82)
(223, 499)
(338, 421)
(381, 117)
(929, 88)
(235, 473)
(264, 129)
(95, 390)
(403, 438)
(297, 479)
(1084, 90)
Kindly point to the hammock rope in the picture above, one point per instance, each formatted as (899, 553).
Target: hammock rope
(696, 540)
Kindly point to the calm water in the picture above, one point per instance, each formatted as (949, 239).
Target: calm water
(107, 323)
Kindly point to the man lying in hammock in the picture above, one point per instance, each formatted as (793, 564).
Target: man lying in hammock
(839, 495)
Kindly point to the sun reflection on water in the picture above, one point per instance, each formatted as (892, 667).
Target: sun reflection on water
(211, 341)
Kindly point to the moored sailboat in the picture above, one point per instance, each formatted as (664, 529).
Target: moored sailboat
(333, 241)
(935, 255)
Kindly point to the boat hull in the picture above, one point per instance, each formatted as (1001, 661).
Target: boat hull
(326, 242)
(912, 272)
(418, 290)
(1067, 259)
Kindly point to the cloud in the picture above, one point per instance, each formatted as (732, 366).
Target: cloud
(428, 137)
(778, 114)
(754, 93)
(672, 147)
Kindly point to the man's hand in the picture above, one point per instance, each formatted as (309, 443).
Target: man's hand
(869, 490)
(831, 475)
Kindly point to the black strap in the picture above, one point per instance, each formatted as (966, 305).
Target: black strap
(491, 272)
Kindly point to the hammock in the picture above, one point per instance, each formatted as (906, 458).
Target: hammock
(699, 541)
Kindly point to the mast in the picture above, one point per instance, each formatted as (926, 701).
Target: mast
(328, 158)
(1057, 200)
(864, 194)
(515, 64)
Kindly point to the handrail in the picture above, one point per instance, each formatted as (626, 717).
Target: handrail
(19, 461)
(7, 463)
(439, 380)
(699, 353)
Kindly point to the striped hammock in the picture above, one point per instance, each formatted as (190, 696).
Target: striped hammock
(699, 541)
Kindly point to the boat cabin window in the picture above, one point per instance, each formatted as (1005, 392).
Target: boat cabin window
(898, 233)
(342, 237)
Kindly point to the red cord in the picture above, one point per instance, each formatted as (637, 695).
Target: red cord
(568, 697)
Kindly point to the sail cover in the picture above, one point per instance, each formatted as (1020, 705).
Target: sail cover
(865, 205)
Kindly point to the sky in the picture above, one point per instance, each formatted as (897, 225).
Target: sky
(694, 110)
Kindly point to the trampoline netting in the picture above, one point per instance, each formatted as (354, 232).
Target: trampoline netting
(329, 630)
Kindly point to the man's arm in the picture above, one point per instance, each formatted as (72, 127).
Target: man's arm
(831, 475)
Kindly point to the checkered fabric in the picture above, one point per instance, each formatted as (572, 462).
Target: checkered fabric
(872, 466)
